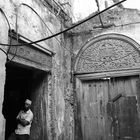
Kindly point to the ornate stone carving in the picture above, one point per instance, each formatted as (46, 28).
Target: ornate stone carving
(108, 54)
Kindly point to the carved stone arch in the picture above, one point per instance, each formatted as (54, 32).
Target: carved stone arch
(108, 52)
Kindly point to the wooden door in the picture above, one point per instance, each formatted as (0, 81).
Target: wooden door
(125, 111)
(93, 109)
(110, 109)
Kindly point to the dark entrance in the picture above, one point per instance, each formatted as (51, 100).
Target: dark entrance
(18, 87)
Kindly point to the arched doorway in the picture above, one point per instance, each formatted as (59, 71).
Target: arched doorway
(107, 89)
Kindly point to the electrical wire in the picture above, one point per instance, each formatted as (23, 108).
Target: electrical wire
(68, 29)
(14, 55)
(36, 14)
(44, 24)
(62, 32)
(3, 51)
(17, 28)
(52, 33)
(17, 23)
(56, 38)
(9, 60)
(40, 19)
(5, 18)
(9, 29)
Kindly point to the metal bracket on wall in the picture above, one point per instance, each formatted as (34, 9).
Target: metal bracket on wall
(117, 97)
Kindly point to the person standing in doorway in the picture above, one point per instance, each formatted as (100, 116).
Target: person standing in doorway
(24, 120)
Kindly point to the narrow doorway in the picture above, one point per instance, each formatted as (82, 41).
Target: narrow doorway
(18, 87)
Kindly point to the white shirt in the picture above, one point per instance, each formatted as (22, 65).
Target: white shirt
(28, 116)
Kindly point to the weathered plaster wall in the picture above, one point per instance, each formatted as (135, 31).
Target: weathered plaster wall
(27, 23)
(117, 20)
(3, 39)
(63, 89)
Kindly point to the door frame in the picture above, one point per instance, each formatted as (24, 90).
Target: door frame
(90, 76)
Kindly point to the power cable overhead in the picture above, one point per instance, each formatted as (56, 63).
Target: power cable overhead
(9, 29)
(68, 29)
(8, 60)
(44, 24)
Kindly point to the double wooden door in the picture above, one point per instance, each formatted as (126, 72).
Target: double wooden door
(110, 109)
